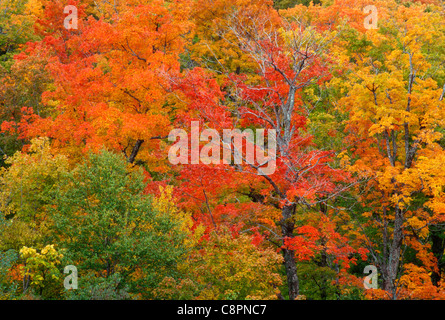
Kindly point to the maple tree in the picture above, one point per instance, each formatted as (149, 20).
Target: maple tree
(117, 85)
(288, 58)
(394, 101)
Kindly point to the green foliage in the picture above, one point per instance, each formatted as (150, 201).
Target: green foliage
(93, 288)
(27, 183)
(228, 267)
(25, 192)
(41, 271)
(108, 226)
(321, 283)
(8, 288)
(317, 282)
(16, 26)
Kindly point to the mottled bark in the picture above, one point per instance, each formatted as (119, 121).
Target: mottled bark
(392, 264)
(287, 229)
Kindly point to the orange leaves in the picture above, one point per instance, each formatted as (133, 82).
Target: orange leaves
(416, 284)
(304, 245)
(321, 235)
(201, 94)
(137, 69)
(216, 45)
(393, 114)
(112, 78)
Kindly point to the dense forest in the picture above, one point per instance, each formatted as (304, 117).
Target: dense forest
(119, 179)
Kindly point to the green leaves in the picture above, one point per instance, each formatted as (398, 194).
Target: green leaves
(109, 226)
(42, 269)
(7, 261)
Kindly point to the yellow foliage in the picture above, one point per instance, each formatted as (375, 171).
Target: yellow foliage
(164, 204)
(41, 266)
(25, 182)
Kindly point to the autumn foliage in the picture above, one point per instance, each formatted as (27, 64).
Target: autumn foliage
(359, 117)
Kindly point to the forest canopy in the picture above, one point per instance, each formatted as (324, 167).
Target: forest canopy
(214, 149)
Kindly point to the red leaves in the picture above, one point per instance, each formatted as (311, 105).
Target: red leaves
(305, 244)
(323, 237)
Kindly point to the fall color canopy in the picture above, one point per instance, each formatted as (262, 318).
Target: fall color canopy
(85, 177)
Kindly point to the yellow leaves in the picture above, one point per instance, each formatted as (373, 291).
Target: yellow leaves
(400, 184)
(380, 99)
(229, 266)
(41, 266)
(48, 251)
(28, 252)
(34, 7)
(215, 20)
(431, 170)
(308, 37)
(164, 204)
(23, 189)
(419, 225)
(430, 167)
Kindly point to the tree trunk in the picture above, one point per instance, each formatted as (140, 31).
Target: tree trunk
(392, 265)
(287, 229)
(26, 281)
(291, 273)
(135, 151)
(324, 280)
